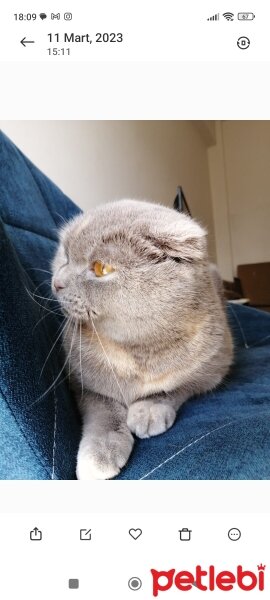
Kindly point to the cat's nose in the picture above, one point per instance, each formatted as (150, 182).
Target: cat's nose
(58, 285)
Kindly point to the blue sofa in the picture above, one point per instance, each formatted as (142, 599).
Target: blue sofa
(221, 435)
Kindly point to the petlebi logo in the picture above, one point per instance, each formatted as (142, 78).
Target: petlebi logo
(209, 579)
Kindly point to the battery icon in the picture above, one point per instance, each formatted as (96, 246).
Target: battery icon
(246, 16)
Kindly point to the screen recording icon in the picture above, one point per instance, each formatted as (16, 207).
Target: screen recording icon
(243, 43)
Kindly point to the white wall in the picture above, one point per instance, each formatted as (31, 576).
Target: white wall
(240, 181)
(97, 161)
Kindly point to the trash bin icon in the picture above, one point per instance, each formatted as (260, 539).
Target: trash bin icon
(185, 534)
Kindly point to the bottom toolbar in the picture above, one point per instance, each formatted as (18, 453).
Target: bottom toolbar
(104, 556)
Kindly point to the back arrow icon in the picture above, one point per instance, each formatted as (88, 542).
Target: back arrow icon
(25, 41)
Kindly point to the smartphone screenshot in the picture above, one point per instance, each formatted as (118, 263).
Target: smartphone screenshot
(134, 299)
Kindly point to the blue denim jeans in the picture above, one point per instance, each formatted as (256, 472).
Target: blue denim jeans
(221, 435)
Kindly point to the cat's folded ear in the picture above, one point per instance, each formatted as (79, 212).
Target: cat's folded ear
(184, 238)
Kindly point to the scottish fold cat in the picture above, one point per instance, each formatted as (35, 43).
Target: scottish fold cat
(146, 326)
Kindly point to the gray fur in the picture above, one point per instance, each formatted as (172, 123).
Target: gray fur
(145, 338)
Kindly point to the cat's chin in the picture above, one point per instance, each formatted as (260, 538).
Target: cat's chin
(74, 316)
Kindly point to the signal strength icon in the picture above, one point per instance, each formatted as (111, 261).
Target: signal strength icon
(214, 18)
(229, 16)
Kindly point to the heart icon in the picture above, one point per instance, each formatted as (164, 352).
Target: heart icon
(135, 533)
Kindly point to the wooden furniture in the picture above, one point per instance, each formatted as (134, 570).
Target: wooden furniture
(255, 284)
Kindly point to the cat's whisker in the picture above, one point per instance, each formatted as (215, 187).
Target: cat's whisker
(42, 270)
(53, 299)
(69, 367)
(58, 314)
(107, 358)
(45, 297)
(45, 282)
(81, 360)
(92, 335)
(59, 374)
(62, 327)
(38, 303)
(63, 379)
(69, 356)
(57, 385)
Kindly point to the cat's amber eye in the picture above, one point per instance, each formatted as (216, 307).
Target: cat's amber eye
(101, 268)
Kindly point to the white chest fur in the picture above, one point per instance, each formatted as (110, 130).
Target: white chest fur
(109, 355)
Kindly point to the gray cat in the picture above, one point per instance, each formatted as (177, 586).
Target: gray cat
(146, 325)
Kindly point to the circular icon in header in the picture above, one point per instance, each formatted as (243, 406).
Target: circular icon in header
(234, 534)
(243, 43)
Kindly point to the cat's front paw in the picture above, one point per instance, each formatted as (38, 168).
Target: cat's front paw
(146, 419)
(103, 457)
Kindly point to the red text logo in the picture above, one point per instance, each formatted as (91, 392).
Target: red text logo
(208, 579)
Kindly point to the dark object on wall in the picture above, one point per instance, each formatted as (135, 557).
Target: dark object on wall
(233, 290)
(255, 283)
(180, 202)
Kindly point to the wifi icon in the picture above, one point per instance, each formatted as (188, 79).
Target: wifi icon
(229, 16)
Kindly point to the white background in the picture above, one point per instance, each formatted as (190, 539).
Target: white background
(135, 91)
(237, 87)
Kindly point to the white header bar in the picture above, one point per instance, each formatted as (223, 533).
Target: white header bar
(118, 30)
